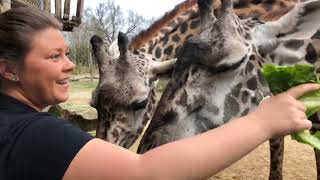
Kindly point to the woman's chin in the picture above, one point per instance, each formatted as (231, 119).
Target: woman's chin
(62, 98)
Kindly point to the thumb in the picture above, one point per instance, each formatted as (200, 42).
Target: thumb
(306, 124)
(300, 90)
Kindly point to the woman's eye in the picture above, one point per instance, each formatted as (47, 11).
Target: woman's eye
(55, 56)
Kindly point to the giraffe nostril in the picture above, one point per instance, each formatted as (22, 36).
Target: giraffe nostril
(137, 105)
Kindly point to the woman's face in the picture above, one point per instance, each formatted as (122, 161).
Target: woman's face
(44, 76)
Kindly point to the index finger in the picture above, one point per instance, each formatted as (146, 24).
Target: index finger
(300, 90)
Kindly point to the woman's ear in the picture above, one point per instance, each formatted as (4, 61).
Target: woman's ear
(8, 70)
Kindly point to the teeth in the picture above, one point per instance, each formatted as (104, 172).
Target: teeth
(63, 81)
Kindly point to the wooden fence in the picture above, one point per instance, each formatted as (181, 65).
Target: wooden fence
(64, 15)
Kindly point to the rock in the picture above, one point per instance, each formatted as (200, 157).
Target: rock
(82, 116)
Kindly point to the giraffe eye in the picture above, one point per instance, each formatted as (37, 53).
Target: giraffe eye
(137, 105)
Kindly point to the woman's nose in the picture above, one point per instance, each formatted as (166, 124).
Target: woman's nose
(69, 64)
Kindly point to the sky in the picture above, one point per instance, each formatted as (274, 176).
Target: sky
(148, 8)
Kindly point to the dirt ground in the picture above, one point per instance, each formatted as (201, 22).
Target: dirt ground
(299, 161)
(299, 164)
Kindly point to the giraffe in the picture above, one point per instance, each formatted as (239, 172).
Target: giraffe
(217, 75)
(125, 82)
(165, 36)
(161, 42)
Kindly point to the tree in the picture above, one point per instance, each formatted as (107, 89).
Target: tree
(106, 20)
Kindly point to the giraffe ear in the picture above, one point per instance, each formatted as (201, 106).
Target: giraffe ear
(123, 43)
(98, 49)
(163, 66)
(96, 43)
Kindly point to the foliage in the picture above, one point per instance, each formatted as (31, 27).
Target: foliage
(108, 19)
(281, 78)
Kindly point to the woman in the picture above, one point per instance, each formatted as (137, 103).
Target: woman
(35, 71)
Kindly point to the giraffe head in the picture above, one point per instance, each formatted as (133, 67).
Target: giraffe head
(123, 91)
(208, 65)
(217, 76)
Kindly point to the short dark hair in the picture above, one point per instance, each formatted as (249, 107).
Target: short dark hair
(17, 27)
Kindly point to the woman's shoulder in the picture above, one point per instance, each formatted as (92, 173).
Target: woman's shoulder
(49, 142)
(33, 119)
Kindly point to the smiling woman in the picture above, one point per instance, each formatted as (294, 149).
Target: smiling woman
(24, 75)
(35, 71)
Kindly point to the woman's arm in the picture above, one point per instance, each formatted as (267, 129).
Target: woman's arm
(200, 156)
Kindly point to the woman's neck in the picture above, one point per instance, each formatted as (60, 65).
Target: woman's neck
(20, 97)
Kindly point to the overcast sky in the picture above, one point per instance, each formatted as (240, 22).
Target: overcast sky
(147, 8)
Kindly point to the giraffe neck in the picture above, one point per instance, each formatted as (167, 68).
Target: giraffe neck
(166, 36)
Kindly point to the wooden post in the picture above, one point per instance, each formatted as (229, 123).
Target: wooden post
(58, 9)
(79, 10)
(5, 5)
(66, 11)
(90, 66)
(47, 5)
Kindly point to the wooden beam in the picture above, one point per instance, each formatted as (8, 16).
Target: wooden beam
(66, 11)
(47, 5)
(5, 5)
(79, 10)
(19, 3)
(58, 12)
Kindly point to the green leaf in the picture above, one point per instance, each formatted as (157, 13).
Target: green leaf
(306, 138)
(282, 78)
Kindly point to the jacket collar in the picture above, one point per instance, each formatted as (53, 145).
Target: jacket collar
(10, 103)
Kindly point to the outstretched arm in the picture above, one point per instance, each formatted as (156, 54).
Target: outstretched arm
(200, 156)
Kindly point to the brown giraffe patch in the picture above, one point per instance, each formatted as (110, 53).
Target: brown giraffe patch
(195, 24)
(245, 97)
(252, 83)
(294, 44)
(158, 52)
(203, 124)
(249, 67)
(176, 38)
(311, 54)
(168, 50)
(165, 40)
(231, 108)
(183, 28)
